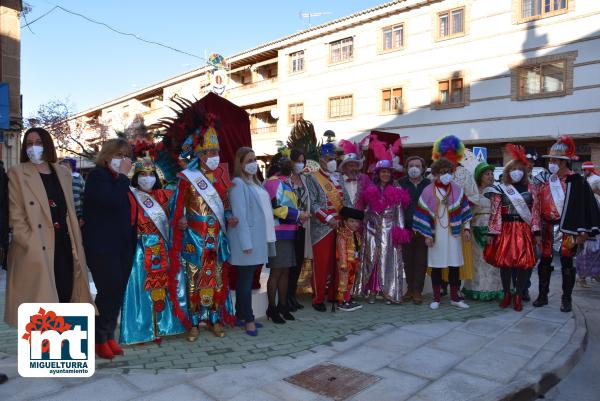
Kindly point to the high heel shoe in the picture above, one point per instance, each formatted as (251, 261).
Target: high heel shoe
(273, 314)
(285, 312)
(517, 305)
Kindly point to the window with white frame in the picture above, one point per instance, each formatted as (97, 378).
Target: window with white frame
(451, 23)
(341, 50)
(297, 61)
(392, 37)
(341, 106)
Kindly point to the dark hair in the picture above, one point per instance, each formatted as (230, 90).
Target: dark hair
(49, 149)
(377, 180)
(277, 163)
(134, 181)
(441, 164)
(411, 158)
(295, 154)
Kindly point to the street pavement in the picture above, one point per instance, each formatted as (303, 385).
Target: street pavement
(582, 383)
(416, 353)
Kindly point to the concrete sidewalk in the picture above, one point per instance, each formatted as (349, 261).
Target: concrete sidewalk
(489, 358)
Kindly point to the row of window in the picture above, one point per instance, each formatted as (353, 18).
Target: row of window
(450, 24)
(540, 79)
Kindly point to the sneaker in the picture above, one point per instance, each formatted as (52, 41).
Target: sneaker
(355, 305)
(434, 305)
(460, 304)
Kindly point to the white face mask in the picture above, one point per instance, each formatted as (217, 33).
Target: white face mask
(553, 167)
(35, 154)
(147, 182)
(115, 164)
(213, 162)
(332, 166)
(414, 172)
(516, 175)
(446, 178)
(251, 168)
(298, 167)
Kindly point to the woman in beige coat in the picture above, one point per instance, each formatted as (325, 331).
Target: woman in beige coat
(46, 262)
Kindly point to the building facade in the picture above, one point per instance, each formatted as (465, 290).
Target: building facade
(10, 79)
(490, 72)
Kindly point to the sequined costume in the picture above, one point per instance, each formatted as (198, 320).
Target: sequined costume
(147, 312)
(348, 262)
(203, 249)
(512, 244)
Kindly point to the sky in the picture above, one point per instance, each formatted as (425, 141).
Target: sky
(66, 57)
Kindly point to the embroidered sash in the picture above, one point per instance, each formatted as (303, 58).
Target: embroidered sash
(329, 187)
(207, 191)
(558, 194)
(153, 210)
(518, 202)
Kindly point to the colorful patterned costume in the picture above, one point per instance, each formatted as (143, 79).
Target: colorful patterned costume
(203, 248)
(348, 261)
(147, 312)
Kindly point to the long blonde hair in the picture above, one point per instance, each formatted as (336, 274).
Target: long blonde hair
(238, 168)
(110, 148)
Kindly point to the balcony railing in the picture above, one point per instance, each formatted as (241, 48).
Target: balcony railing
(264, 130)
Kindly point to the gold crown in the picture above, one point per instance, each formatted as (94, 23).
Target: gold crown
(210, 141)
(144, 164)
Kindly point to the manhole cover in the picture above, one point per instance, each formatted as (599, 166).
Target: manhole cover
(332, 380)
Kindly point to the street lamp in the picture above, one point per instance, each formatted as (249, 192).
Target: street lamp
(330, 135)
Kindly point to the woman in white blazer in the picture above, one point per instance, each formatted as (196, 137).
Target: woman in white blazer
(249, 240)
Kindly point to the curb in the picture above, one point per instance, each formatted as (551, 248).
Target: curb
(532, 385)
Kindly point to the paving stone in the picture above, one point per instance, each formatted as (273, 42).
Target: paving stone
(394, 386)
(179, 392)
(540, 359)
(227, 384)
(290, 392)
(456, 386)
(534, 327)
(367, 358)
(495, 365)
(419, 362)
(483, 327)
(432, 329)
(399, 341)
(27, 388)
(255, 394)
(106, 389)
(148, 382)
(459, 342)
(550, 314)
(515, 344)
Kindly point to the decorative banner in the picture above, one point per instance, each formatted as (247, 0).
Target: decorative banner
(219, 79)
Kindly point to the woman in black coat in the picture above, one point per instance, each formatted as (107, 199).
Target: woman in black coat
(109, 238)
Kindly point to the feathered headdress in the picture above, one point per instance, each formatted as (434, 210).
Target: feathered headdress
(518, 153)
(564, 149)
(449, 147)
(387, 156)
(192, 129)
(351, 151)
(303, 137)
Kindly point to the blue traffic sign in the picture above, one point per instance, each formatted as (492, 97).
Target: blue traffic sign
(480, 154)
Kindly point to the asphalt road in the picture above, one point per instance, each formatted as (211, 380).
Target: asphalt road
(583, 382)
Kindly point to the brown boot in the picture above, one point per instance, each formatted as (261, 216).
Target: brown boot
(417, 298)
(408, 295)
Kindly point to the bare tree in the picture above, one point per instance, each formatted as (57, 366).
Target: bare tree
(56, 116)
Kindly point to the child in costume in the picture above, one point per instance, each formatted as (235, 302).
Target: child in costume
(348, 262)
(443, 217)
(147, 311)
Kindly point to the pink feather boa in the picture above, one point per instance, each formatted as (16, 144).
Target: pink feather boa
(392, 196)
(400, 236)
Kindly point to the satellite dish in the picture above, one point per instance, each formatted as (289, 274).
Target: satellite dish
(275, 113)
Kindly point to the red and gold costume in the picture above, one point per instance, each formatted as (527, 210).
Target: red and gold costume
(348, 262)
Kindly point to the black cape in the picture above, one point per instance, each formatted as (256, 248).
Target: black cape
(580, 212)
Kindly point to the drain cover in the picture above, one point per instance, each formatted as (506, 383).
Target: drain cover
(332, 380)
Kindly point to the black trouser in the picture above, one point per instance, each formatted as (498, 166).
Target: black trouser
(453, 276)
(414, 256)
(295, 271)
(243, 293)
(111, 273)
(63, 265)
(520, 277)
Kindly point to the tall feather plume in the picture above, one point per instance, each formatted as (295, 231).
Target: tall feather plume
(518, 153)
(303, 137)
(348, 147)
(380, 150)
(571, 148)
